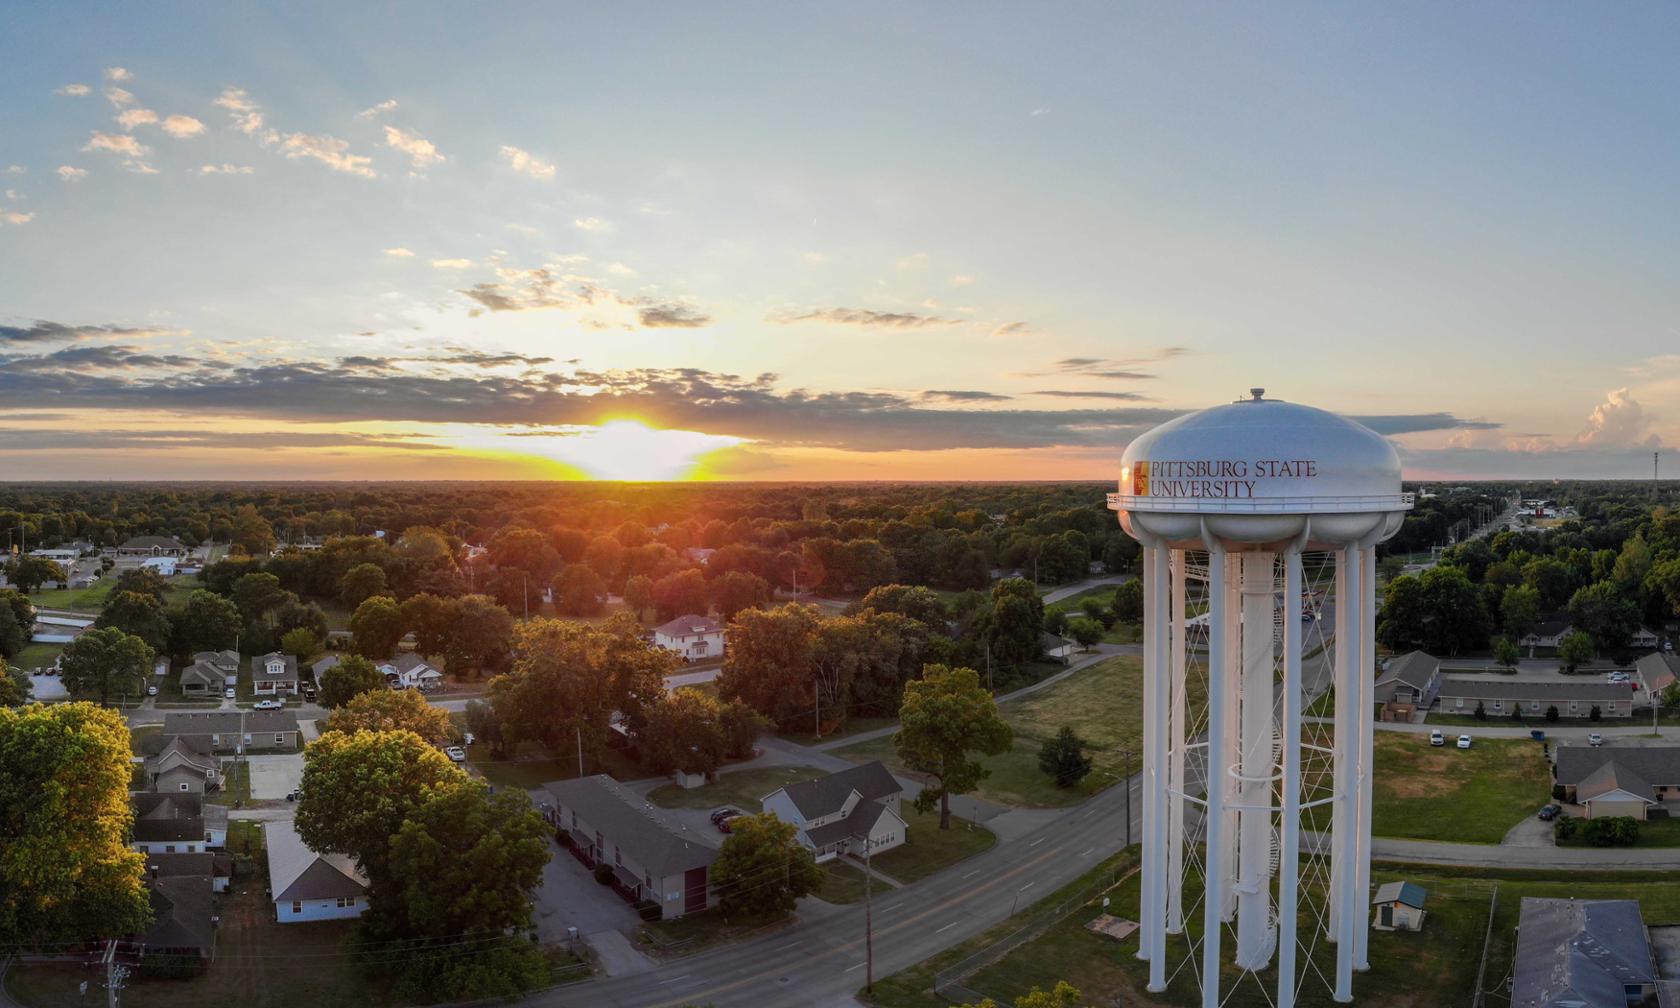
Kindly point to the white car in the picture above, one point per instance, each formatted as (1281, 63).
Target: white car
(229, 693)
(1595, 739)
(1436, 738)
(267, 705)
(1464, 741)
(456, 753)
(1619, 677)
(151, 691)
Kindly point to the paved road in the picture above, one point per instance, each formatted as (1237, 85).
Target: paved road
(1068, 591)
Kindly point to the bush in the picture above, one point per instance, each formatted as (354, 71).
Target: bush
(603, 873)
(1611, 831)
(1595, 714)
(1564, 827)
(649, 910)
(1552, 714)
(1480, 713)
(1558, 792)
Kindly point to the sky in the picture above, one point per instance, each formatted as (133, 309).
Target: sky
(850, 242)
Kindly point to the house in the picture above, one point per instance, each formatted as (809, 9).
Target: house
(693, 637)
(63, 557)
(1057, 647)
(151, 545)
(183, 922)
(164, 565)
(1618, 780)
(1407, 684)
(410, 671)
(274, 674)
(217, 868)
(651, 857)
(1656, 672)
(209, 673)
(306, 886)
(1644, 639)
(1399, 906)
(1546, 634)
(833, 812)
(1574, 697)
(164, 812)
(58, 628)
(1582, 954)
(324, 665)
(181, 764)
(235, 731)
(699, 555)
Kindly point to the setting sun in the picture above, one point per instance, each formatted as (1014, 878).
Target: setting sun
(618, 449)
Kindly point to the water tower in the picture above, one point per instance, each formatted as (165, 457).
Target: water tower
(1258, 521)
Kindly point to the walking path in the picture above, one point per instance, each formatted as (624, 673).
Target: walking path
(1068, 591)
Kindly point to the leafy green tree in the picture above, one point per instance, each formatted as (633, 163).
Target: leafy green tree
(1008, 629)
(638, 594)
(579, 591)
(360, 787)
(1552, 714)
(377, 625)
(14, 683)
(67, 874)
(1085, 631)
(1519, 610)
(251, 532)
(762, 869)
(145, 580)
(361, 583)
(913, 601)
(205, 622)
(464, 861)
(30, 573)
(1480, 713)
(770, 664)
(1664, 580)
(351, 677)
(138, 614)
(477, 637)
(1128, 601)
(1552, 578)
(301, 644)
(681, 594)
(106, 662)
(947, 715)
(257, 595)
(684, 731)
(393, 710)
(13, 638)
(1606, 614)
(1063, 758)
(738, 590)
(486, 726)
(428, 617)
(1506, 653)
(1439, 611)
(1063, 995)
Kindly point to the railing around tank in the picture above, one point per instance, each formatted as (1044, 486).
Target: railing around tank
(1263, 505)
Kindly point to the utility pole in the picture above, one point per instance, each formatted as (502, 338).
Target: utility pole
(115, 974)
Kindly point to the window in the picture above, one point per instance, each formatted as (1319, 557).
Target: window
(208, 775)
(169, 849)
(618, 855)
(1459, 701)
(279, 738)
(297, 907)
(215, 740)
(347, 901)
(1534, 705)
(183, 785)
(1573, 706)
(1499, 705)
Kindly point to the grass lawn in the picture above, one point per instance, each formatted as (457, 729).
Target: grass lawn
(35, 656)
(928, 849)
(743, 788)
(245, 836)
(236, 785)
(692, 932)
(1461, 795)
(139, 732)
(843, 883)
(854, 726)
(531, 767)
(1103, 703)
(89, 600)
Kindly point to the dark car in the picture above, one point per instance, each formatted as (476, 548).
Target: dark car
(722, 822)
(1549, 812)
(727, 812)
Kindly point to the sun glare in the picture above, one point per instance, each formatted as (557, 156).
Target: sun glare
(622, 449)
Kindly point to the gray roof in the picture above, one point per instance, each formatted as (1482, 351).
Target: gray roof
(660, 846)
(1658, 669)
(1409, 893)
(198, 865)
(1502, 687)
(169, 830)
(228, 660)
(863, 818)
(297, 873)
(154, 745)
(229, 722)
(260, 672)
(168, 805)
(1654, 764)
(154, 542)
(203, 673)
(1412, 668)
(1579, 953)
(1550, 628)
(685, 625)
(1612, 776)
(822, 796)
(181, 912)
(186, 751)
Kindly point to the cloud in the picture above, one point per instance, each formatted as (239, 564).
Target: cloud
(400, 252)
(815, 258)
(71, 173)
(962, 280)
(117, 73)
(1075, 394)
(1011, 329)
(74, 91)
(619, 269)
(58, 439)
(592, 224)
(866, 317)
(1037, 112)
(1618, 422)
(384, 106)
(139, 167)
(133, 117)
(182, 126)
(116, 143)
(526, 163)
(330, 151)
(1123, 369)
(94, 358)
(14, 217)
(672, 316)
(963, 395)
(246, 115)
(421, 152)
(118, 97)
(225, 169)
(452, 264)
(15, 169)
(43, 331)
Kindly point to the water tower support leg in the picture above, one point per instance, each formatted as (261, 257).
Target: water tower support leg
(1289, 866)
(1149, 856)
(1339, 751)
(1347, 727)
(1229, 752)
(1157, 827)
(1212, 915)
(1254, 818)
(1367, 767)
(1175, 757)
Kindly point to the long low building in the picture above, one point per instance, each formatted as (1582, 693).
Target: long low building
(1618, 780)
(1499, 695)
(234, 730)
(651, 857)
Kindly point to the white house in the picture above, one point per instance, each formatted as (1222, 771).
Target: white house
(164, 565)
(694, 637)
(274, 673)
(306, 886)
(410, 671)
(833, 813)
(1548, 634)
(1644, 639)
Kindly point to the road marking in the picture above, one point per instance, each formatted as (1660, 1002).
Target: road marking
(673, 980)
(781, 948)
(1086, 851)
(973, 873)
(1035, 843)
(1024, 888)
(948, 926)
(848, 969)
(890, 909)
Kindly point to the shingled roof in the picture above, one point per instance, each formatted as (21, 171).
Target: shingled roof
(1498, 687)
(821, 796)
(659, 845)
(181, 914)
(1652, 764)
(297, 873)
(1573, 953)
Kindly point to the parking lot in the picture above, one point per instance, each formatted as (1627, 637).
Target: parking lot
(273, 776)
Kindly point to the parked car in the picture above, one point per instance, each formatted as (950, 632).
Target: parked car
(151, 691)
(1436, 738)
(1464, 741)
(267, 705)
(294, 795)
(467, 739)
(728, 811)
(1549, 812)
(1595, 739)
(456, 753)
(1619, 677)
(229, 693)
(308, 692)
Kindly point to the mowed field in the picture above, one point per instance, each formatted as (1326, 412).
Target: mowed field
(1445, 793)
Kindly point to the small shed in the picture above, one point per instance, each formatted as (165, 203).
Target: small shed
(1399, 906)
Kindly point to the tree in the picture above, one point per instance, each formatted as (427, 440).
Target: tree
(428, 618)
(360, 583)
(1128, 601)
(485, 726)
(359, 788)
(1010, 626)
(1085, 631)
(301, 644)
(106, 662)
(1574, 650)
(353, 675)
(67, 874)
(1552, 714)
(251, 532)
(771, 664)
(1595, 714)
(205, 622)
(464, 862)
(22, 612)
(477, 636)
(393, 710)
(257, 594)
(912, 601)
(1506, 653)
(1604, 612)
(13, 638)
(138, 614)
(683, 731)
(1063, 995)
(1664, 580)
(570, 678)
(680, 594)
(14, 684)
(946, 716)
(762, 869)
(1480, 713)
(738, 590)
(145, 580)
(1064, 759)
(28, 573)
(579, 591)
(638, 594)
(377, 626)
(1439, 611)
(1519, 610)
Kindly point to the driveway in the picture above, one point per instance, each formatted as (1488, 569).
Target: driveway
(273, 776)
(570, 897)
(1531, 832)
